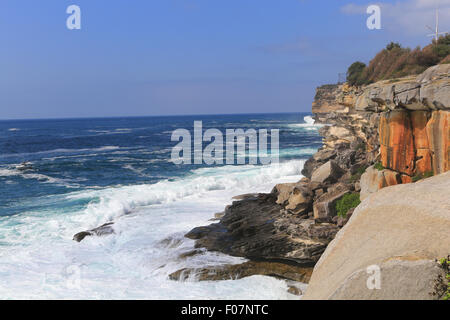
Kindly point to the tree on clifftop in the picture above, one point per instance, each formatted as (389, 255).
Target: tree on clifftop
(354, 73)
(395, 62)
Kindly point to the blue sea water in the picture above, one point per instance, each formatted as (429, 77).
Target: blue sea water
(86, 172)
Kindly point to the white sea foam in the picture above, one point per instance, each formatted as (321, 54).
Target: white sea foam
(39, 259)
(62, 151)
(10, 172)
(13, 129)
(308, 125)
(309, 120)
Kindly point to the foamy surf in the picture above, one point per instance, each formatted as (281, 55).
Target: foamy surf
(10, 172)
(127, 179)
(39, 259)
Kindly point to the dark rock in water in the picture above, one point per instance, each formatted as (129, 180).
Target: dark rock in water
(170, 242)
(100, 231)
(296, 291)
(200, 232)
(261, 229)
(247, 269)
(81, 235)
(190, 253)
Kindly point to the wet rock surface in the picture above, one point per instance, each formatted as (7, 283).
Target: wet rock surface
(263, 229)
(103, 230)
(247, 269)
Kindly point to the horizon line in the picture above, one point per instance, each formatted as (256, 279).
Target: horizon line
(150, 116)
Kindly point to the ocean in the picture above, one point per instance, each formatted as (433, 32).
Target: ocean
(87, 172)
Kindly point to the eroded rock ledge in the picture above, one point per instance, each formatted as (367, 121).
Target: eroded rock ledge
(250, 268)
(262, 229)
(404, 124)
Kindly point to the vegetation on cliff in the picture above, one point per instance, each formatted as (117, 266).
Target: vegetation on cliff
(347, 202)
(395, 61)
(441, 284)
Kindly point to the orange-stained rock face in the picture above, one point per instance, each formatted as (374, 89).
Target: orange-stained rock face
(419, 120)
(424, 162)
(405, 179)
(397, 143)
(373, 180)
(415, 143)
(391, 178)
(438, 131)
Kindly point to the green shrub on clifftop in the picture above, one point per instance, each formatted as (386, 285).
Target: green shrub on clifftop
(354, 73)
(347, 202)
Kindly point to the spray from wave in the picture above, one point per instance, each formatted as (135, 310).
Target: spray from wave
(309, 124)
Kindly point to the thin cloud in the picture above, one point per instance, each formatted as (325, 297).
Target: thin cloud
(408, 16)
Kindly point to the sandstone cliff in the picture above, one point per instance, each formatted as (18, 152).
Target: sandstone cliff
(403, 128)
(403, 124)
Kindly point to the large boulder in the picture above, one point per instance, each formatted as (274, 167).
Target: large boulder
(295, 197)
(435, 87)
(300, 199)
(407, 94)
(283, 191)
(373, 180)
(324, 207)
(428, 91)
(400, 231)
(327, 173)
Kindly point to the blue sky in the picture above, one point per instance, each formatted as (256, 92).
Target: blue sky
(160, 57)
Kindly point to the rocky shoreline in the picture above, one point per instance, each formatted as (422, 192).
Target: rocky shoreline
(388, 133)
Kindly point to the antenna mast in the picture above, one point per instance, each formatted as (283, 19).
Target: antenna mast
(436, 32)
